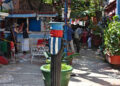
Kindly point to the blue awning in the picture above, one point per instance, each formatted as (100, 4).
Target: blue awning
(30, 15)
(21, 15)
(47, 15)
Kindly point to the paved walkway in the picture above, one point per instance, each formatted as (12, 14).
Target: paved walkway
(89, 68)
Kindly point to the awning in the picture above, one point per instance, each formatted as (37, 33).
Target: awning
(31, 15)
(47, 15)
(21, 15)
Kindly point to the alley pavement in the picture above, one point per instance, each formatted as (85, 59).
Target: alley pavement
(89, 69)
(92, 70)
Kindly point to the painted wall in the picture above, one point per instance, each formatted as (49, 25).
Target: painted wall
(34, 25)
(7, 6)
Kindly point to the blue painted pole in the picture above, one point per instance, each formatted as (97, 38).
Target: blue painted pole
(65, 20)
(118, 8)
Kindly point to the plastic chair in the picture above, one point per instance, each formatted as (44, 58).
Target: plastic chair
(39, 49)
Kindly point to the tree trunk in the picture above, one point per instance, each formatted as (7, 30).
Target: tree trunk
(56, 67)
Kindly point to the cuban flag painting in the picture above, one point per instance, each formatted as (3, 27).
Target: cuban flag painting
(55, 45)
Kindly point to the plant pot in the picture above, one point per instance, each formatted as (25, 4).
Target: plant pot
(65, 75)
(115, 60)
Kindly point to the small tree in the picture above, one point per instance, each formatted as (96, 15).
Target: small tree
(94, 7)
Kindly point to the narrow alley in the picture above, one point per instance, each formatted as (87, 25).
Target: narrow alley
(43, 40)
(89, 69)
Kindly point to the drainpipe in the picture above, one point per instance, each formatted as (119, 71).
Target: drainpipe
(118, 8)
(65, 20)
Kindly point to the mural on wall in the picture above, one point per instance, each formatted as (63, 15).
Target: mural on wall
(15, 4)
(6, 5)
(32, 5)
(27, 4)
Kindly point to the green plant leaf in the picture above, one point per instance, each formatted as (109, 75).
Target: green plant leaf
(112, 37)
(71, 56)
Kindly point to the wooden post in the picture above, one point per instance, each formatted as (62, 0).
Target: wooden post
(27, 24)
(14, 39)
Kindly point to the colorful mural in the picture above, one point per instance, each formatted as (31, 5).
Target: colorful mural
(6, 5)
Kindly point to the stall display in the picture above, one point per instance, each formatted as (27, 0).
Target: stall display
(39, 48)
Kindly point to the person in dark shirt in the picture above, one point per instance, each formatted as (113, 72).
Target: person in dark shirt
(25, 43)
(77, 38)
(25, 31)
(70, 39)
(89, 39)
(84, 37)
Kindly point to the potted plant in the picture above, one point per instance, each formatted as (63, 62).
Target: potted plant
(65, 74)
(112, 41)
(69, 58)
(97, 38)
(65, 59)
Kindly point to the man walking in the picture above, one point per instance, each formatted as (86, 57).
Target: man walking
(69, 38)
(77, 37)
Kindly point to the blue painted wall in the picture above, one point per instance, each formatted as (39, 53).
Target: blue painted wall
(34, 25)
(118, 7)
